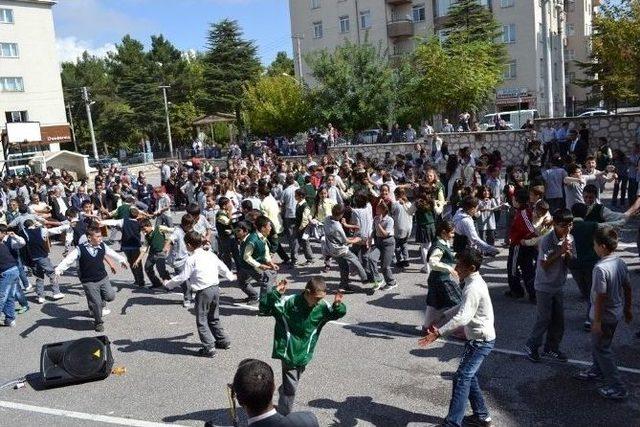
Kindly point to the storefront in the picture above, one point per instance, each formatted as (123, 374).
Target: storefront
(514, 99)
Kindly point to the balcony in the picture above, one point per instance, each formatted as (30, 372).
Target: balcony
(401, 28)
(398, 2)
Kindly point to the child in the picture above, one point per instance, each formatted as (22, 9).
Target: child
(520, 264)
(611, 285)
(227, 243)
(425, 227)
(555, 252)
(163, 205)
(486, 222)
(465, 229)
(201, 271)
(402, 213)
(154, 246)
(301, 235)
(620, 163)
(385, 243)
(495, 185)
(176, 247)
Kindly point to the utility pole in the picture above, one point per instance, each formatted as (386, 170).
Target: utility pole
(73, 129)
(166, 112)
(298, 38)
(87, 106)
(561, 38)
(546, 37)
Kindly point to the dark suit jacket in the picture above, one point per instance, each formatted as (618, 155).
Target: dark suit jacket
(55, 210)
(581, 151)
(294, 419)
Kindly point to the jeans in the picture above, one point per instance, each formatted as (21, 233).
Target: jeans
(287, 391)
(8, 283)
(550, 319)
(207, 306)
(43, 266)
(159, 262)
(24, 280)
(465, 384)
(603, 359)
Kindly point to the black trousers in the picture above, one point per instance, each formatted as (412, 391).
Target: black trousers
(132, 255)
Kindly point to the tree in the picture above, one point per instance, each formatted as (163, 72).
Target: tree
(355, 87)
(277, 105)
(613, 72)
(229, 64)
(281, 65)
(469, 21)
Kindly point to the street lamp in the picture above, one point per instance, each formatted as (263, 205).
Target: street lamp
(166, 112)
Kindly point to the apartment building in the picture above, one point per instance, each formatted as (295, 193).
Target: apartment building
(30, 84)
(544, 38)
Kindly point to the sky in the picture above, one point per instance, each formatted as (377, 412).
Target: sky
(98, 25)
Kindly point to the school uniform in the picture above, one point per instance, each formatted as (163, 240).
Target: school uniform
(302, 220)
(255, 251)
(385, 246)
(9, 275)
(156, 257)
(227, 242)
(443, 293)
(521, 260)
(38, 253)
(402, 214)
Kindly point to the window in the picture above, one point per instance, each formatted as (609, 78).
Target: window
(11, 84)
(9, 50)
(509, 33)
(315, 4)
(571, 29)
(16, 116)
(569, 54)
(345, 25)
(587, 30)
(6, 16)
(506, 3)
(317, 30)
(509, 71)
(419, 14)
(365, 19)
(442, 7)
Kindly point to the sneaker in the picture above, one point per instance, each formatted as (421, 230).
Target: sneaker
(532, 353)
(22, 310)
(106, 311)
(28, 289)
(586, 326)
(99, 327)
(40, 300)
(207, 352)
(57, 296)
(555, 355)
(424, 270)
(186, 303)
(223, 345)
(474, 420)
(390, 287)
(588, 375)
(377, 284)
(10, 323)
(613, 393)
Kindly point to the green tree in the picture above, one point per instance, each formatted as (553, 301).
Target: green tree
(229, 64)
(355, 87)
(613, 72)
(276, 105)
(182, 115)
(282, 64)
(469, 21)
(115, 127)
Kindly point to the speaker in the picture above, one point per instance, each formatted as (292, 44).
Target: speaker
(73, 362)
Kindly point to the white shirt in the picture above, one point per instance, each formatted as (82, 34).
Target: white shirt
(201, 270)
(475, 312)
(464, 225)
(74, 255)
(264, 416)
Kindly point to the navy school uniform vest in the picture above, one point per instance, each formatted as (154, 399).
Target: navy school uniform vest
(91, 268)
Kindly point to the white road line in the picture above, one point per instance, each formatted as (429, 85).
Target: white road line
(458, 343)
(80, 415)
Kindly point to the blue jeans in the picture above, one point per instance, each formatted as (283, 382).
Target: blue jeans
(23, 275)
(8, 282)
(465, 384)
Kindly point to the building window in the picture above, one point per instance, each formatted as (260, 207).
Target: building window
(419, 14)
(317, 30)
(365, 19)
(509, 33)
(571, 30)
(16, 116)
(9, 50)
(587, 30)
(506, 3)
(345, 25)
(509, 71)
(11, 84)
(6, 16)
(569, 54)
(442, 7)
(315, 4)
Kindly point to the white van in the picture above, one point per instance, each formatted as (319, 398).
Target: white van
(514, 119)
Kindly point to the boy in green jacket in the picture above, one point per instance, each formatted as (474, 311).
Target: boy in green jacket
(299, 320)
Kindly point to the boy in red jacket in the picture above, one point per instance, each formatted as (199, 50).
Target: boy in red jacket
(521, 261)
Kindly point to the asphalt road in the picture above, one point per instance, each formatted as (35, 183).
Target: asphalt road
(368, 369)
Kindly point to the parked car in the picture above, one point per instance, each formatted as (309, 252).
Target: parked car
(369, 136)
(593, 113)
(105, 162)
(513, 119)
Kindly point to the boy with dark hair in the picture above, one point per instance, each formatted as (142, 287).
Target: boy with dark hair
(476, 315)
(154, 249)
(465, 228)
(255, 259)
(176, 249)
(130, 241)
(302, 220)
(228, 245)
(299, 321)
(555, 252)
(611, 285)
(520, 264)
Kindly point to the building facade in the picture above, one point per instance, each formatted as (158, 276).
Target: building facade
(30, 84)
(544, 38)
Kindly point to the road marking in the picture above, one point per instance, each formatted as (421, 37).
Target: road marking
(458, 343)
(81, 415)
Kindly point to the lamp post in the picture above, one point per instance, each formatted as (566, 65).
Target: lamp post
(166, 112)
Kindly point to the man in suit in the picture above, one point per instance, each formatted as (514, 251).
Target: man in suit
(58, 205)
(578, 147)
(253, 387)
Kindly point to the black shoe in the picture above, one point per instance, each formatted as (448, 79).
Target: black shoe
(347, 289)
(207, 352)
(586, 326)
(473, 420)
(532, 353)
(223, 345)
(263, 314)
(252, 301)
(513, 295)
(555, 355)
(99, 327)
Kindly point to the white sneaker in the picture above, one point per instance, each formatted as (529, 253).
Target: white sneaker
(28, 289)
(106, 311)
(40, 300)
(10, 324)
(57, 296)
(187, 304)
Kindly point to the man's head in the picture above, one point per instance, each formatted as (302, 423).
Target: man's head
(146, 225)
(337, 212)
(253, 386)
(315, 291)
(194, 210)
(242, 230)
(468, 262)
(300, 195)
(94, 236)
(562, 222)
(470, 205)
(193, 240)
(605, 241)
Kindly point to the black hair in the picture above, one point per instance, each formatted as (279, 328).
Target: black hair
(301, 193)
(223, 201)
(261, 222)
(146, 223)
(579, 210)
(470, 258)
(244, 226)
(246, 205)
(606, 236)
(445, 226)
(562, 216)
(337, 210)
(316, 284)
(193, 209)
(522, 196)
(187, 221)
(253, 385)
(591, 189)
(193, 239)
(71, 212)
(468, 203)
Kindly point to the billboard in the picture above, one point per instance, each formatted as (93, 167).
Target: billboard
(20, 132)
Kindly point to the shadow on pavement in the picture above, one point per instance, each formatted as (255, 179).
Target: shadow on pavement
(363, 408)
(394, 301)
(147, 301)
(61, 318)
(385, 330)
(214, 417)
(170, 345)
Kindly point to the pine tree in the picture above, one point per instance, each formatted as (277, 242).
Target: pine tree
(230, 63)
(282, 64)
(468, 21)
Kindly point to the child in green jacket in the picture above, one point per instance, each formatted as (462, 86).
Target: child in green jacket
(299, 320)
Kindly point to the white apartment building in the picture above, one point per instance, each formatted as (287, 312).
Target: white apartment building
(544, 38)
(30, 84)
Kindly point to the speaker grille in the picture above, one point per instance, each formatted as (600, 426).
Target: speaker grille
(85, 357)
